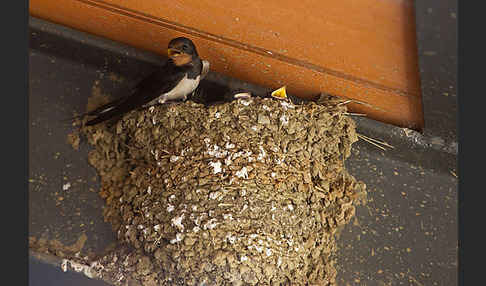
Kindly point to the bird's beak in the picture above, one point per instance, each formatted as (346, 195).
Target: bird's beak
(280, 93)
(173, 52)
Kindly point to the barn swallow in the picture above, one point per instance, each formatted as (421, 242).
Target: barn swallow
(240, 93)
(280, 94)
(174, 81)
(210, 93)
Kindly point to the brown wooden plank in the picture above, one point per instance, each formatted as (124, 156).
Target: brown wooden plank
(363, 50)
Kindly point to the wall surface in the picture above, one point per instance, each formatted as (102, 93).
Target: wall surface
(406, 233)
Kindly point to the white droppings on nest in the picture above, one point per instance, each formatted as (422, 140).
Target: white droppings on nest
(279, 261)
(243, 193)
(197, 221)
(85, 269)
(216, 151)
(290, 242)
(284, 119)
(228, 216)
(243, 258)
(215, 195)
(245, 102)
(216, 167)
(210, 212)
(254, 128)
(231, 238)
(172, 197)
(262, 154)
(66, 186)
(149, 190)
(217, 115)
(210, 224)
(291, 207)
(154, 121)
(196, 229)
(243, 173)
(244, 207)
(99, 266)
(64, 265)
(259, 248)
(229, 145)
(151, 109)
(273, 174)
(296, 249)
(253, 235)
(228, 160)
(157, 227)
(266, 107)
(78, 267)
(179, 237)
(170, 208)
(174, 158)
(194, 208)
(286, 105)
(177, 222)
(121, 199)
(268, 251)
(140, 226)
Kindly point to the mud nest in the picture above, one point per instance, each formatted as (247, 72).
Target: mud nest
(249, 192)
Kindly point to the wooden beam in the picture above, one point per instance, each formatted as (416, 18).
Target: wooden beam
(363, 50)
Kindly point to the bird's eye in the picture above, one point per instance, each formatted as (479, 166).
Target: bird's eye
(185, 47)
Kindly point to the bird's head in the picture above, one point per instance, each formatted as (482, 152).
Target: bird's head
(182, 51)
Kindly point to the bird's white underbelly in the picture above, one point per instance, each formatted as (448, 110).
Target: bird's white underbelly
(181, 90)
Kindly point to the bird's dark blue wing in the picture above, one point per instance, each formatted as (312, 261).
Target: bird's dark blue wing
(148, 89)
